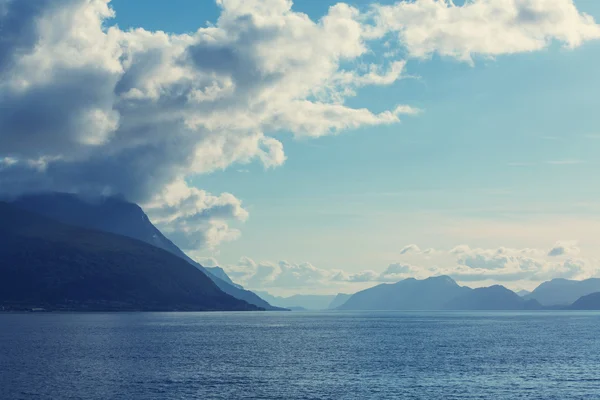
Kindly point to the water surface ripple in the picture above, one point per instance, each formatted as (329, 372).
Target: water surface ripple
(282, 355)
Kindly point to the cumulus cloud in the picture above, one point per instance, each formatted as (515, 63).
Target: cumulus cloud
(483, 27)
(194, 218)
(88, 107)
(363, 276)
(397, 271)
(284, 274)
(564, 248)
(508, 265)
(305, 276)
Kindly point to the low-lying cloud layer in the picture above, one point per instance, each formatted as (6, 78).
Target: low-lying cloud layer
(515, 268)
(88, 107)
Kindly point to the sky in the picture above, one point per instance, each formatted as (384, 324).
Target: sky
(315, 146)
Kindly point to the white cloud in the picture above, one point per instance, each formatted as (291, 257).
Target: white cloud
(307, 278)
(520, 268)
(88, 107)
(483, 27)
(193, 218)
(564, 249)
(158, 107)
(511, 265)
(263, 275)
(363, 276)
(85, 107)
(397, 271)
(346, 81)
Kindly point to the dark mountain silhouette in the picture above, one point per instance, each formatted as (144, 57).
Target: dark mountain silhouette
(491, 298)
(340, 299)
(409, 294)
(587, 302)
(559, 292)
(116, 215)
(107, 214)
(45, 263)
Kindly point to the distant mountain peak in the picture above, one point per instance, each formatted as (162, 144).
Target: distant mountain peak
(409, 294)
(432, 279)
(495, 297)
(588, 302)
(443, 278)
(562, 292)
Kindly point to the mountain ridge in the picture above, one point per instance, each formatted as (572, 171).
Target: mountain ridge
(49, 264)
(588, 302)
(563, 292)
(408, 294)
(114, 214)
(495, 297)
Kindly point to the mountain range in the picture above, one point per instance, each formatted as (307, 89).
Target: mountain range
(67, 252)
(437, 293)
(409, 294)
(562, 292)
(118, 216)
(495, 297)
(48, 264)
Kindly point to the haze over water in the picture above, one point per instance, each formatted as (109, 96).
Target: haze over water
(451, 355)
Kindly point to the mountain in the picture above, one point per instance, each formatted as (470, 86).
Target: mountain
(563, 291)
(523, 292)
(299, 301)
(240, 293)
(409, 294)
(45, 263)
(220, 273)
(107, 214)
(116, 215)
(491, 298)
(587, 302)
(340, 299)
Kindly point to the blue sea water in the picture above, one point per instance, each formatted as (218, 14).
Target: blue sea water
(282, 355)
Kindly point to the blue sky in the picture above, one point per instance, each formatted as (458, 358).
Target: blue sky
(503, 155)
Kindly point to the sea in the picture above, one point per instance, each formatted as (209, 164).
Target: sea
(300, 355)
